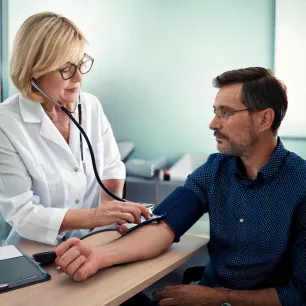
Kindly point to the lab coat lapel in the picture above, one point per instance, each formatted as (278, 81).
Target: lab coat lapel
(50, 132)
(32, 112)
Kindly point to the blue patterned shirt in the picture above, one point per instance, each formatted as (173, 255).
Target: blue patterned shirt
(257, 227)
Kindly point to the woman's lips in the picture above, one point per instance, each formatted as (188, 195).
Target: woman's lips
(73, 89)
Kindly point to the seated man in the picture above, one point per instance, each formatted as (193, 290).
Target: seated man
(255, 193)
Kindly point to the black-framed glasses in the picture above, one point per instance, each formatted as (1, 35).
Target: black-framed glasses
(70, 69)
(224, 113)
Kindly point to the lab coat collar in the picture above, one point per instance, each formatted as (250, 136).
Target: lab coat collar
(31, 112)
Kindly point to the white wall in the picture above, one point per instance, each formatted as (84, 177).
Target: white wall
(290, 62)
(155, 59)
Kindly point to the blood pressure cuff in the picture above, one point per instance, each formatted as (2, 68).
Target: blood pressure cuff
(181, 209)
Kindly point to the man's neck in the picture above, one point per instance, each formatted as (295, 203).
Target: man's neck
(259, 155)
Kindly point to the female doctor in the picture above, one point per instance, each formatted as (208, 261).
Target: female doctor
(48, 190)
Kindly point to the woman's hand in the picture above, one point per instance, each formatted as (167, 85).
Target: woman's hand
(118, 212)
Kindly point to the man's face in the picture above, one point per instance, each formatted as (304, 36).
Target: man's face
(236, 132)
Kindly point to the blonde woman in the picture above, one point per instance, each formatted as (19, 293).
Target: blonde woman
(48, 190)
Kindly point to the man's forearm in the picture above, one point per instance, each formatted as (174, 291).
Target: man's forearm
(115, 186)
(145, 242)
(264, 297)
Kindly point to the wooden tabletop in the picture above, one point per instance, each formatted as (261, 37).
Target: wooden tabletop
(110, 286)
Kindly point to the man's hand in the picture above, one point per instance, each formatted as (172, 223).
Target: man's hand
(78, 259)
(192, 295)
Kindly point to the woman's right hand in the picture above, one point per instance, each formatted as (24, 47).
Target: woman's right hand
(118, 212)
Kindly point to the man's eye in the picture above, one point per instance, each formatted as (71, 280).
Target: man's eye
(223, 112)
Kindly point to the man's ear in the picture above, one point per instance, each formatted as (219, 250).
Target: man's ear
(266, 119)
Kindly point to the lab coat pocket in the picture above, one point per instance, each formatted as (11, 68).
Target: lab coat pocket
(49, 174)
(58, 189)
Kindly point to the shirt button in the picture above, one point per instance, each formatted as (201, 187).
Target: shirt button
(75, 169)
(241, 220)
(77, 201)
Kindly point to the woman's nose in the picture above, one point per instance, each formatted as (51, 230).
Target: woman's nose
(78, 76)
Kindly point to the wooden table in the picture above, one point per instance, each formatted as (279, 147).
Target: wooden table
(110, 286)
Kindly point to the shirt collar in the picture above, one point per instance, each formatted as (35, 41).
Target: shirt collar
(271, 168)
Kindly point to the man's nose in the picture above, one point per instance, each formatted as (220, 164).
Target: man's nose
(215, 123)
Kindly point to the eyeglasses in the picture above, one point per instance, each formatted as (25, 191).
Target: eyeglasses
(70, 69)
(223, 113)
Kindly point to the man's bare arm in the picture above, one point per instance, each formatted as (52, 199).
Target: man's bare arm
(80, 260)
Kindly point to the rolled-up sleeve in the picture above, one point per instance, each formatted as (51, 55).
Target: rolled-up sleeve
(294, 293)
(19, 206)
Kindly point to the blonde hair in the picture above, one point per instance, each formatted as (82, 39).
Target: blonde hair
(44, 42)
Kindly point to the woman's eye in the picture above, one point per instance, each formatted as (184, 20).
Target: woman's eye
(67, 69)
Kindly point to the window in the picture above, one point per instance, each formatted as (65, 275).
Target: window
(290, 62)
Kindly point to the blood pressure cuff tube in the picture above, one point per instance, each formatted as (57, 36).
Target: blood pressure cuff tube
(181, 209)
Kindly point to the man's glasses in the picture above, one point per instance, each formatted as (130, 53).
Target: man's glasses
(70, 69)
(223, 113)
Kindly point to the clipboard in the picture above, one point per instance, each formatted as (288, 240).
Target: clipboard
(18, 270)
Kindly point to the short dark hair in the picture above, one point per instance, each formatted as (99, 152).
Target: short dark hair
(260, 90)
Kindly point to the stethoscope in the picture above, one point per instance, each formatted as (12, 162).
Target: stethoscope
(81, 139)
(82, 132)
(80, 123)
(49, 257)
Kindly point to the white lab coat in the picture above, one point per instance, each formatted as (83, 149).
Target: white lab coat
(41, 176)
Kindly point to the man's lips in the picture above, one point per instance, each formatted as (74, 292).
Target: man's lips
(218, 136)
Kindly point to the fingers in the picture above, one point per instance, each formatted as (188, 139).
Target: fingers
(125, 217)
(67, 258)
(135, 212)
(120, 212)
(140, 208)
(159, 295)
(69, 253)
(168, 301)
(144, 211)
(64, 246)
(83, 272)
(168, 292)
(75, 265)
(121, 229)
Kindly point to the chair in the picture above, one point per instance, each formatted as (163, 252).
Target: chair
(193, 274)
